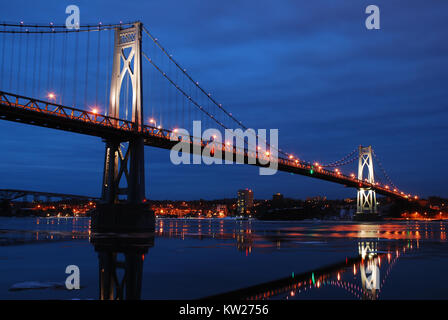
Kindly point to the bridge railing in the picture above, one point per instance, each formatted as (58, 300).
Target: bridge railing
(71, 113)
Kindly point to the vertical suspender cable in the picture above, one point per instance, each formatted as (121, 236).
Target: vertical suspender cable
(75, 69)
(19, 61)
(3, 57)
(183, 104)
(64, 67)
(168, 102)
(98, 64)
(53, 53)
(49, 61)
(39, 73)
(87, 67)
(176, 121)
(11, 62)
(34, 65)
(25, 87)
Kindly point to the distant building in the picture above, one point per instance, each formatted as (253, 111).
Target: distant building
(277, 197)
(245, 201)
(277, 200)
(221, 209)
(316, 199)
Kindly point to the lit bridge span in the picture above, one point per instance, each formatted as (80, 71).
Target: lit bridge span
(32, 62)
(46, 114)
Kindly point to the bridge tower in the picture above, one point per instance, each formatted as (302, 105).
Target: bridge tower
(126, 61)
(123, 207)
(366, 200)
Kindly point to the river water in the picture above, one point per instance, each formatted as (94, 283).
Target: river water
(248, 259)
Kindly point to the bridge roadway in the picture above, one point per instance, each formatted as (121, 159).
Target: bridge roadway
(51, 115)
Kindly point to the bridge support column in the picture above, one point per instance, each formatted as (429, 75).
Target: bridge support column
(123, 190)
(129, 163)
(110, 173)
(136, 183)
(366, 206)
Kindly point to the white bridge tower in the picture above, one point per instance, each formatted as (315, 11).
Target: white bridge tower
(119, 163)
(366, 201)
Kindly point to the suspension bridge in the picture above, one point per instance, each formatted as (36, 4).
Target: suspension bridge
(92, 81)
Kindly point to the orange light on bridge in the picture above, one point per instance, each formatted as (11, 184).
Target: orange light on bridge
(51, 96)
(95, 110)
(291, 156)
(152, 120)
(415, 197)
(352, 175)
(267, 153)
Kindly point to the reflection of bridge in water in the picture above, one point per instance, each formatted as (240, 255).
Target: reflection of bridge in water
(121, 258)
(362, 276)
(373, 266)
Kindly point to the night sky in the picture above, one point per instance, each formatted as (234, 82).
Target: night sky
(309, 68)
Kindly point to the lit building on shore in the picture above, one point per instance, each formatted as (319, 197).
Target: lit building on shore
(245, 201)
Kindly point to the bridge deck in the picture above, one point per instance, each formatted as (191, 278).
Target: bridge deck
(51, 115)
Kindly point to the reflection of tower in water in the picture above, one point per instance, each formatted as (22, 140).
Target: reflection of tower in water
(369, 269)
(121, 253)
(120, 262)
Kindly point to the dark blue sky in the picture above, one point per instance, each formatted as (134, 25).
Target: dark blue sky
(310, 69)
